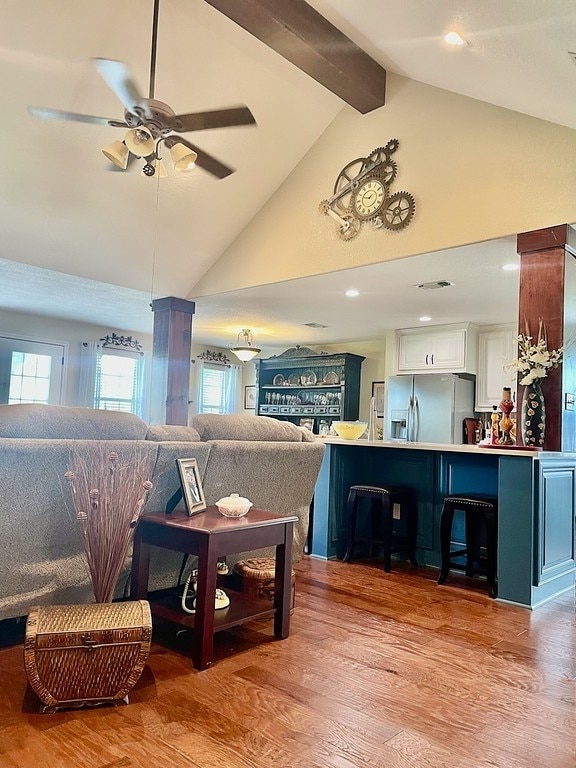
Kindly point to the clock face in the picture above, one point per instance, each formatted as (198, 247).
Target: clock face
(369, 199)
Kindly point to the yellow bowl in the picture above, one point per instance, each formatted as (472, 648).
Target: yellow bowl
(350, 430)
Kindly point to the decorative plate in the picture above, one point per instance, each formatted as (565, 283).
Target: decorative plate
(293, 379)
(304, 397)
(308, 379)
(331, 378)
(278, 380)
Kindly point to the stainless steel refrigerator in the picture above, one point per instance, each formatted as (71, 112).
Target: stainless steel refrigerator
(428, 408)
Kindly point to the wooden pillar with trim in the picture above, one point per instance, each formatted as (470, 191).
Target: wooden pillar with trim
(548, 291)
(171, 349)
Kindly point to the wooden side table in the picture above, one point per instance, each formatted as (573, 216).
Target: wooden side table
(210, 535)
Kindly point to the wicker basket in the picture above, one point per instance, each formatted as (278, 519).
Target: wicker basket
(257, 574)
(78, 655)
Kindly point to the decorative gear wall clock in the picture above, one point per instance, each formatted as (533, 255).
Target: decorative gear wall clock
(362, 194)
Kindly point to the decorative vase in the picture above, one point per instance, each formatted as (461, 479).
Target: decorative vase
(533, 415)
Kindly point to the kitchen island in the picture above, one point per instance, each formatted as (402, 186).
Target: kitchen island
(536, 492)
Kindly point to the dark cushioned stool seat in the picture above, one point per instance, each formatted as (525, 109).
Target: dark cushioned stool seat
(382, 501)
(480, 510)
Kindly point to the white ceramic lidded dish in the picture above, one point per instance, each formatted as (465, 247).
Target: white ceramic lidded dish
(233, 505)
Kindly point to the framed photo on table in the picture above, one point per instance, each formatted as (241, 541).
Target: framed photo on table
(250, 397)
(192, 490)
(378, 395)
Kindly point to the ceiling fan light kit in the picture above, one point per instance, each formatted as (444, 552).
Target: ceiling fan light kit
(151, 122)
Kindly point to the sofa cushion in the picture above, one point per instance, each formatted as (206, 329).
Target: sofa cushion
(172, 432)
(214, 426)
(61, 422)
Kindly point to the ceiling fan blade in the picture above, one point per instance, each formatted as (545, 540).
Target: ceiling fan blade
(57, 114)
(204, 160)
(217, 118)
(119, 80)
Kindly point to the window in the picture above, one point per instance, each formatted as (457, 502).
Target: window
(30, 371)
(212, 389)
(218, 387)
(112, 376)
(116, 386)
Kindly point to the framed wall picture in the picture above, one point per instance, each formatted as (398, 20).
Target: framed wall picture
(192, 490)
(249, 397)
(378, 395)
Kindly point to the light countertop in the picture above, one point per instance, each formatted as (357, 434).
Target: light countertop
(447, 447)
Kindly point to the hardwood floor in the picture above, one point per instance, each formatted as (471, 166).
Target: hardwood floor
(380, 670)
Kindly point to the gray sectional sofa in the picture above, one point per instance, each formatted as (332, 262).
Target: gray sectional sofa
(273, 463)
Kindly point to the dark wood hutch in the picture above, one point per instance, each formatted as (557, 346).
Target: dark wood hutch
(301, 385)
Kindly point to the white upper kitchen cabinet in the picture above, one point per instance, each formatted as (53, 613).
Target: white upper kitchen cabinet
(442, 349)
(497, 345)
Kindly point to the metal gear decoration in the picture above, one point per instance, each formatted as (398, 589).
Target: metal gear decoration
(347, 183)
(356, 200)
(398, 211)
(349, 228)
(387, 171)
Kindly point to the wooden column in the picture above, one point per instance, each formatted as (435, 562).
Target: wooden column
(171, 347)
(546, 269)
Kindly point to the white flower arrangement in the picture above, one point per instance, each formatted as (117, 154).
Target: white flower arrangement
(534, 358)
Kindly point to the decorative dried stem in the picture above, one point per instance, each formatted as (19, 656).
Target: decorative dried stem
(108, 495)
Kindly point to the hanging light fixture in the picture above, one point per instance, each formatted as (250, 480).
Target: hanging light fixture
(245, 349)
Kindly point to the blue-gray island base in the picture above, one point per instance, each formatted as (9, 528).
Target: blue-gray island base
(536, 516)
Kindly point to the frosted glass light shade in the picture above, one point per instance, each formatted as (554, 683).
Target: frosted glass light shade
(140, 142)
(117, 153)
(183, 157)
(244, 353)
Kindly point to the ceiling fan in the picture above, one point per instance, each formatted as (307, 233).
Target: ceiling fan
(151, 123)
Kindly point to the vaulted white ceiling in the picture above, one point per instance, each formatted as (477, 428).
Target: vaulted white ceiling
(81, 241)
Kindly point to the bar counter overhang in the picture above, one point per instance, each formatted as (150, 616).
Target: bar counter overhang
(536, 516)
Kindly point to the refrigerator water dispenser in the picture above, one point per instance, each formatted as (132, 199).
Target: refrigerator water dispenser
(398, 424)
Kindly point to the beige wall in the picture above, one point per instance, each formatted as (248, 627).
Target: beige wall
(476, 171)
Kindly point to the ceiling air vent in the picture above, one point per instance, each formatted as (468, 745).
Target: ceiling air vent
(315, 325)
(434, 285)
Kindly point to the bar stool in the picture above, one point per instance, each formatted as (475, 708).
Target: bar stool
(382, 501)
(479, 510)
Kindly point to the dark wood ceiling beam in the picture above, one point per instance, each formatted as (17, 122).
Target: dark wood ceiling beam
(300, 34)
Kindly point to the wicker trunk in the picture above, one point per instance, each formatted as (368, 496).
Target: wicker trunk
(89, 654)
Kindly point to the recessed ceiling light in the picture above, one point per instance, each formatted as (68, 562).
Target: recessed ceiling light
(510, 267)
(453, 38)
(425, 318)
(351, 292)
